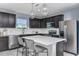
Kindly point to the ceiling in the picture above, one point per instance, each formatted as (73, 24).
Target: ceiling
(26, 8)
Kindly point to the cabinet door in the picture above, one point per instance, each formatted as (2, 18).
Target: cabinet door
(34, 23)
(12, 21)
(43, 23)
(3, 43)
(31, 23)
(47, 20)
(1, 20)
(5, 21)
(56, 20)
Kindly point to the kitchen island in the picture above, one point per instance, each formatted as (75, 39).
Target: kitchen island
(51, 43)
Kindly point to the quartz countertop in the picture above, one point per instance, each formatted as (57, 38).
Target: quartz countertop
(45, 39)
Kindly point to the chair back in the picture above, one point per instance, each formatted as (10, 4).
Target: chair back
(29, 44)
(20, 41)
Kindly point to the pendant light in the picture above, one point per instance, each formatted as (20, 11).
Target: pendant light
(32, 11)
(45, 10)
(41, 11)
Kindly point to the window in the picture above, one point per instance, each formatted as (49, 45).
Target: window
(21, 23)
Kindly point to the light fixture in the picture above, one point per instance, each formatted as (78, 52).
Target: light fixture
(32, 12)
(45, 10)
(42, 11)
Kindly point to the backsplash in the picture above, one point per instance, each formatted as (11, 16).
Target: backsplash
(14, 31)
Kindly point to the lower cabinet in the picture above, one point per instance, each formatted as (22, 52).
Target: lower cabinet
(60, 48)
(4, 43)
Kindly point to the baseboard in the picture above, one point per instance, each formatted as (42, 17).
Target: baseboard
(71, 53)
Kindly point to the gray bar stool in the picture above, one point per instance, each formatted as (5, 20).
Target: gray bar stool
(21, 45)
(34, 50)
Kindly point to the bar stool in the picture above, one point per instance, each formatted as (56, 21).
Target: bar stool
(30, 47)
(21, 45)
(34, 50)
(41, 49)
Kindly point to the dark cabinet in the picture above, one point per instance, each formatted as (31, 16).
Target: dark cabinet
(55, 20)
(4, 43)
(42, 23)
(7, 20)
(34, 23)
(49, 19)
(1, 20)
(12, 21)
(37, 23)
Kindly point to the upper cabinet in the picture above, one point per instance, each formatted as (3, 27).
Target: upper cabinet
(12, 20)
(56, 20)
(7, 20)
(1, 21)
(45, 22)
(34, 23)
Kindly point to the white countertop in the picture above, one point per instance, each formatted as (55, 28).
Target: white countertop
(47, 42)
(15, 31)
(44, 39)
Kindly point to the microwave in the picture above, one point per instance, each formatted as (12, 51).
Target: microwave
(50, 24)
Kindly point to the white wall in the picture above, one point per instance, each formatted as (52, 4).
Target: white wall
(72, 14)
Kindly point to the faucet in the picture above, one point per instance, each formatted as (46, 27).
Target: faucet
(23, 30)
(36, 32)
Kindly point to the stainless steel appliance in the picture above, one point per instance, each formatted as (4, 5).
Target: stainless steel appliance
(61, 29)
(71, 33)
(53, 33)
(13, 41)
(50, 24)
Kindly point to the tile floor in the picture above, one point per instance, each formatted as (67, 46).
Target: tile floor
(14, 53)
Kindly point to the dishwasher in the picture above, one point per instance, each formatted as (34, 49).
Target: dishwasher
(13, 41)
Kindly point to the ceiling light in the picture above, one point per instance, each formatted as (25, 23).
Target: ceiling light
(45, 10)
(42, 11)
(32, 12)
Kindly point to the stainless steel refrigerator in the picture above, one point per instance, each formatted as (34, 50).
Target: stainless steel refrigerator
(71, 33)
